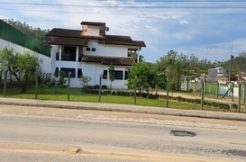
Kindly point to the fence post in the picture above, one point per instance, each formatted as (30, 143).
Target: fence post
(167, 102)
(100, 88)
(217, 89)
(36, 85)
(202, 94)
(68, 86)
(135, 91)
(239, 98)
(244, 93)
(232, 91)
(5, 84)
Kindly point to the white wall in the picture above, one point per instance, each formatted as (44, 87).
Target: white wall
(45, 62)
(107, 49)
(94, 71)
(90, 30)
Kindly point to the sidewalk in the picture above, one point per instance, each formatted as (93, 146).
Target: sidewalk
(123, 108)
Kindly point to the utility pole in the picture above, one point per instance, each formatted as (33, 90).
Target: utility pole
(202, 94)
(239, 97)
(230, 71)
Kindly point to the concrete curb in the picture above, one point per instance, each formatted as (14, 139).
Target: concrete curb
(123, 108)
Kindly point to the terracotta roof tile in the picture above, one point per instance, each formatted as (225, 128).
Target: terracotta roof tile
(67, 41)
(70, 33)
(104, 39)
(109, 60)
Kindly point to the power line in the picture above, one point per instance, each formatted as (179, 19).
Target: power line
(79, 12)
(128, 6)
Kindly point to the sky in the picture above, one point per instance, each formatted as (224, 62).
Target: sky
(209, 29)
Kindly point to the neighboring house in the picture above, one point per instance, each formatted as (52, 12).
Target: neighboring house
(241, 76)
(216, 74)
(90, 51)
(10, 37)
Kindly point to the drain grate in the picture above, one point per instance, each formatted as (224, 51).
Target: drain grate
(183, 133)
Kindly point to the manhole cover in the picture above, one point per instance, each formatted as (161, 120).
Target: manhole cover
(183, 133)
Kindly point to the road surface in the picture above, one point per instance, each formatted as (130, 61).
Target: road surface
(48, 134)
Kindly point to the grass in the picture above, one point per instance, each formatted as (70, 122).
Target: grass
(60, 94)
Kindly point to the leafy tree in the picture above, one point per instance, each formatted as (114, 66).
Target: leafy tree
(138, 76)
(172, 67)
(20, 65)
(111, 75)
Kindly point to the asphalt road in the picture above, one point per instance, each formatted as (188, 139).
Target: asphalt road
(106, 135)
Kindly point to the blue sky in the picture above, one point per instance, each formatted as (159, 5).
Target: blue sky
(208, 29)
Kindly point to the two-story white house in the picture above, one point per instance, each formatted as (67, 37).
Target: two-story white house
(90, 51)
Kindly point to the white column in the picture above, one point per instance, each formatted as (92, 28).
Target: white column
(77, 53)
(60, 52)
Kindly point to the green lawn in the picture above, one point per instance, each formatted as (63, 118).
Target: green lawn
(59, 94)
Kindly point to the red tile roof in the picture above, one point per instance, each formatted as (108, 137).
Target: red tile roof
(108, 60)
(104, 39)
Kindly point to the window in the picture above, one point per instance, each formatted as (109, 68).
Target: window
(88, 49)
(118, 75)
(57, 56)
(67, 70)
(132, 52)
(93, 49)
(105, 74)
(56, 72)
(126, 75)
(80, 73)
(69, 53)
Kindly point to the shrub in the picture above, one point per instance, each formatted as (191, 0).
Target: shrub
(96, 87)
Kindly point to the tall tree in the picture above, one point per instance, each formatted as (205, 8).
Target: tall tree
(172, 67)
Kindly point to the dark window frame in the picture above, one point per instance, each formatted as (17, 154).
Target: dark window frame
(93, 49)
(126, 75)
(105, 74)
(56, 73)
(79, 73)
(118, 75)
(68, 53)
(67, 70)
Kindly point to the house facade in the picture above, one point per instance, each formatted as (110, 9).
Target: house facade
(217, 75)
(90, 52)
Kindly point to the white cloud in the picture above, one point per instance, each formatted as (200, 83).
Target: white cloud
(120, 21)
(184, 22)
(219, 51)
